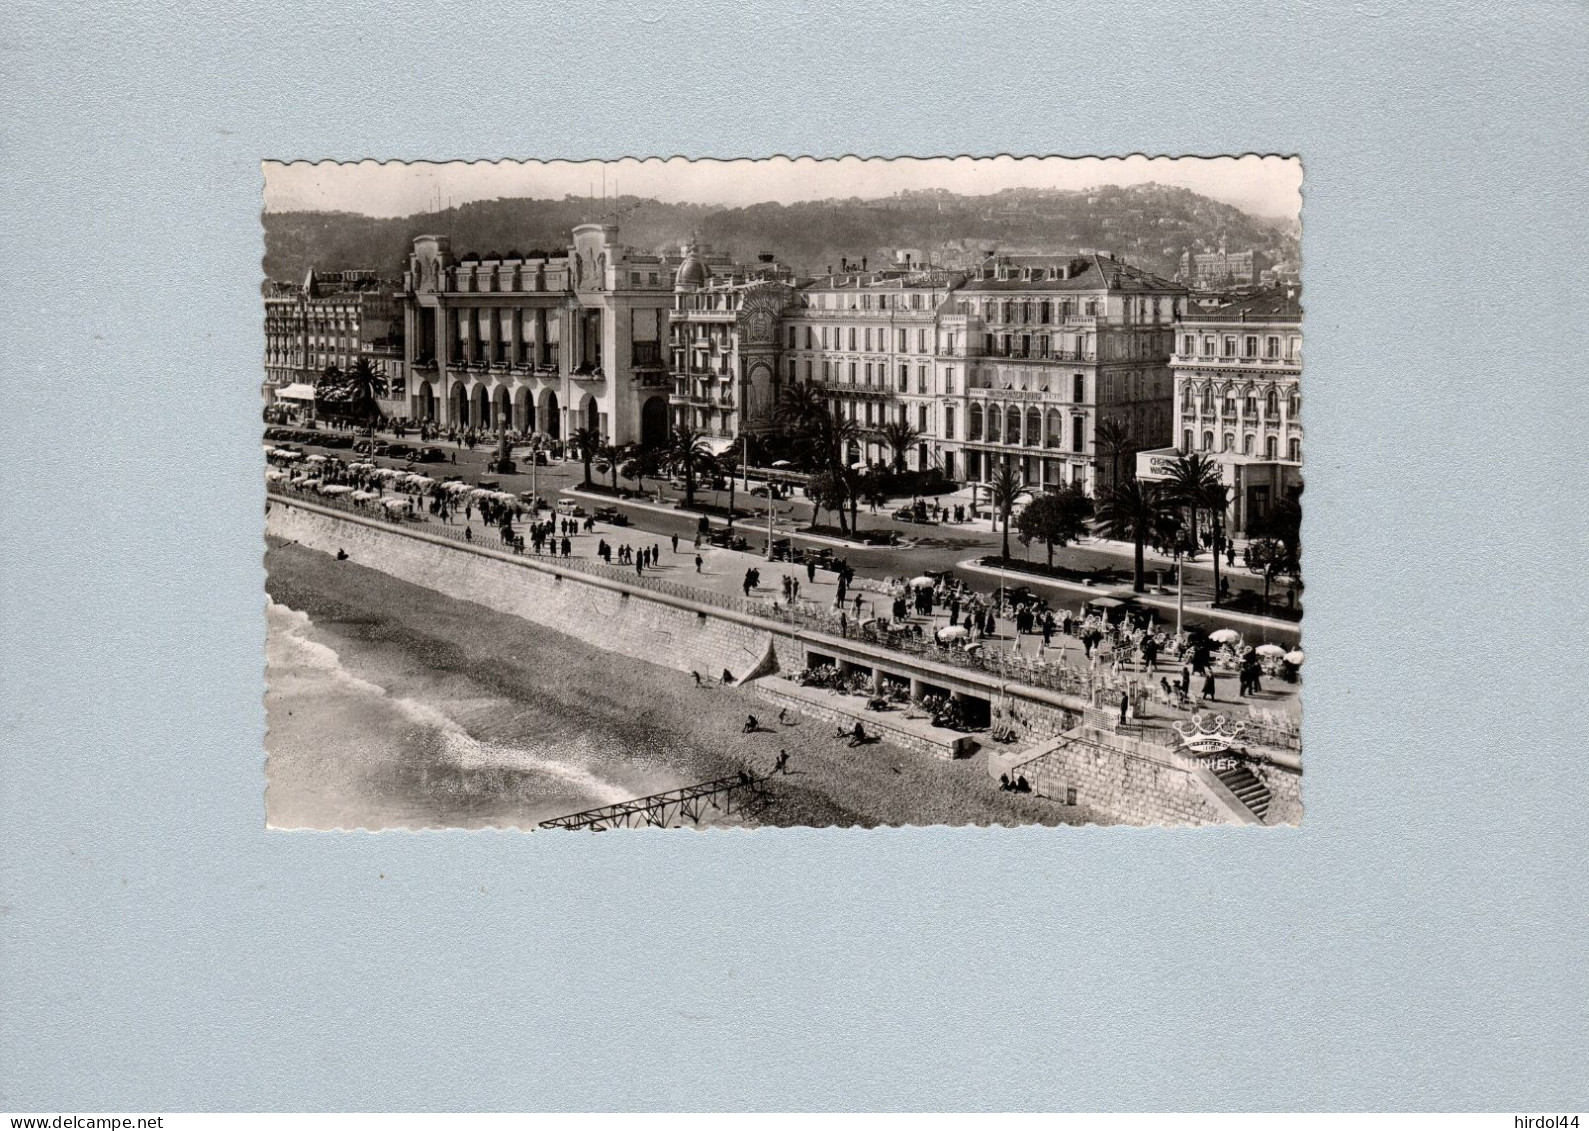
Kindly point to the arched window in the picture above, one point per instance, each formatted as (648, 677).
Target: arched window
(1246, 444)
(1034, 426)
(1208, 400)
(1251, 407)
(1012, 425)
(1186, 442)
(1056, 429)
(1271, 405)
(1188, 398)
(1294, 449)
(995, 419)
(1229, 443)
(1293, 405)
(1271, 447)
(1208, 441)
(1078, 433)
(974, 423)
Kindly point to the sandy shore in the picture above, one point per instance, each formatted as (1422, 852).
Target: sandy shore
(390, 705)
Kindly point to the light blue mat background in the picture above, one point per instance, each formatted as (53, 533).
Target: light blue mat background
(1420, 943)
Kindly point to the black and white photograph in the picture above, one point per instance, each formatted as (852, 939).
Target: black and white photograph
(783, 492)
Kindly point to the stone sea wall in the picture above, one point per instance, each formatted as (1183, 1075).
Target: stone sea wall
(595, 610)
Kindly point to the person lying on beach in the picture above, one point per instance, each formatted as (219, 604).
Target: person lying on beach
(858, 735)
(751, 725)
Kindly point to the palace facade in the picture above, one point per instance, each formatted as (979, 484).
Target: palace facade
(1238, 400)
(545, 342)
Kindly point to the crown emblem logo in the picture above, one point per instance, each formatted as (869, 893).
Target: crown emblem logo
(1209, 734)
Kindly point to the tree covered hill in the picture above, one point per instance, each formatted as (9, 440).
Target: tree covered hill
(1150, 225)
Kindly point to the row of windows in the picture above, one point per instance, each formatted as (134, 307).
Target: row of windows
(1004, 426)
(916, 300)
(860, 339)
(1271, 445)
(1205, 404)
(1226, 347)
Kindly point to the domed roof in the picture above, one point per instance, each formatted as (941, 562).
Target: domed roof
(692, 272)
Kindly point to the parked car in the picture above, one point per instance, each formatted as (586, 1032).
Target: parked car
(759, 491)
(568, 508)
(431, 455)
(399, 451)
(612, 516)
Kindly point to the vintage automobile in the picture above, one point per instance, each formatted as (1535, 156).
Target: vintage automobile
(612, 516)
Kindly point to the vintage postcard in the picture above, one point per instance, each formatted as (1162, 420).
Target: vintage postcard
(783, 492)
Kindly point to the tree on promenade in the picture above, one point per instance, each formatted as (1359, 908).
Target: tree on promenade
(1137, 511)
(690, 456)
(588, 441)
(613, 455)
(1055, 518)
(822, 439)
(1004, 491)
(363, 384)
(900, 437)
(1190, 477)
(827, 492)
(1216, 499)
(645, 461)
(1110, 443)
(727, 465)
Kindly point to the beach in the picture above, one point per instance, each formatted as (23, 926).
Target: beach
(393, 706)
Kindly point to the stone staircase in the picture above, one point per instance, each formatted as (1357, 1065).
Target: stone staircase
(1245, 785)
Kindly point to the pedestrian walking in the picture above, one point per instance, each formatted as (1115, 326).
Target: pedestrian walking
(1125, 702)
(675, 543)
(697, 563)
(468, 535)
(1209, 687)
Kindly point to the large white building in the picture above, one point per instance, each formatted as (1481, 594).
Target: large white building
(1238, 399)
(549, 342)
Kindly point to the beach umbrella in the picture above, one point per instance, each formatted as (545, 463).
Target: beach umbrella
(953, 632)
(1270, 650)
(1295, 657)
(315, 459)
(275, 473)
(420, 481)
(365, 496)
(923, 582)
(781, 463)
(336, 489)
(1105, 602)
(1225, 636)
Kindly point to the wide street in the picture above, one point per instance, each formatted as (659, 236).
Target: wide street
(938, 546)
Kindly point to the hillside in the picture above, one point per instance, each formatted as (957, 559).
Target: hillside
(1151, 225)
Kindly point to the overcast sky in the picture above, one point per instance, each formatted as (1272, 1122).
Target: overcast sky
(1265, 186)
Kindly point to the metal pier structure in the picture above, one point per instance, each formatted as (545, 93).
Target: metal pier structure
(671, 809)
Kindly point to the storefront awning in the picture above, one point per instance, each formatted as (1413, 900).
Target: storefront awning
(297, 392)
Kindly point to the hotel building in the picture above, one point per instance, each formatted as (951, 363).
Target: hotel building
(1238, 399)
(1042, 351)
(547, 342)
(869, 341)
(723, 344)
(333, 318)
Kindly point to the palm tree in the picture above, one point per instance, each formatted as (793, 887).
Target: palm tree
(1216, 497)
(612, 453)
(689, 454)
(1004, 490)
(587, 440)
(1190, 477)
(1111, 441)
(1135, 511)
(726, 465)
(900, 437)
(363, 383)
